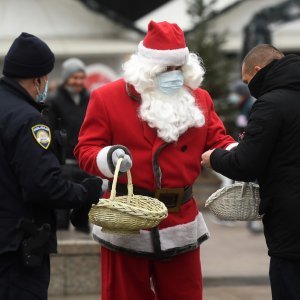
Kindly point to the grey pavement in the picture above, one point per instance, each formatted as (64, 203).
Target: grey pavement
(234, 262)
(233, 252)
(210, 293)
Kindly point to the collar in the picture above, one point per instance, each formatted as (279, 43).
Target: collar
(256, 85)
(132, 93)
(17, 89)
(83, 95)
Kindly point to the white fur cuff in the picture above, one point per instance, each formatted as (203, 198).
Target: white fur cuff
(102, 162)
(171, 238)
(231, 146)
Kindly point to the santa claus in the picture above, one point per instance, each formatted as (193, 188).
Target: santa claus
(158, 119)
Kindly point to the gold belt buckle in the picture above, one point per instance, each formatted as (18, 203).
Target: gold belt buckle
(179, 192)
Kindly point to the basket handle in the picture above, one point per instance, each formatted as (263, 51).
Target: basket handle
(114, 184)
(245, 185)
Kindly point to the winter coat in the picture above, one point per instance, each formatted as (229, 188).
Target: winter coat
(111, 119)
(270, 153)
(65, 114)
(31, 184)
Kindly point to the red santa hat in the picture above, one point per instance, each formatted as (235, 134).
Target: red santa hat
(164, 44)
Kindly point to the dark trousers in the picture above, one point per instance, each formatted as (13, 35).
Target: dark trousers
(22, 283)
(285, 279)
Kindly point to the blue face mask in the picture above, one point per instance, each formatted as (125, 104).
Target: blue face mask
(170, 82)
(40, 97)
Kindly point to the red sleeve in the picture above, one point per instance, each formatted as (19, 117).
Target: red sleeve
(216, 132)
(94, 135)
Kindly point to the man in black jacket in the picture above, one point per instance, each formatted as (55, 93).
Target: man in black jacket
(270, 153)
(31, 184)
(66, 110)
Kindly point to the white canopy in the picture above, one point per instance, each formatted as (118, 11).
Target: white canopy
(66, 25)
(176, 11)
(231, 21)
(71, 29)
(285, 35)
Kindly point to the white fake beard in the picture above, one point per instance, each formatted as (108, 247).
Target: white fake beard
(170, 115)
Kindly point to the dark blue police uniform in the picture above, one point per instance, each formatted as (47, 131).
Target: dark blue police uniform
(31, 186)
(31, 183)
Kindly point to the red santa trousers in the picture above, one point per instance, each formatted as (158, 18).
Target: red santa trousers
(128, 277)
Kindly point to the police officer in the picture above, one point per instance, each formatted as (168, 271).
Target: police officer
(31, 184)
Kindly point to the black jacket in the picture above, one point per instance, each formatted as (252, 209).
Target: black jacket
(65, 114)
(31, 184)
(270, 153)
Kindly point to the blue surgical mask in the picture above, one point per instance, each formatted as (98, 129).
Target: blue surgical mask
(170, 82)
(234, 98)
(40, 97)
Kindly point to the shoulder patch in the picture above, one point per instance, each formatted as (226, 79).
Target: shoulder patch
(42, 135)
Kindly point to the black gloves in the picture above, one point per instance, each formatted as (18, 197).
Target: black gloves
(93, 187)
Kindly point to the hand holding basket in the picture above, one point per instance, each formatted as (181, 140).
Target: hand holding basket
(127, 214)
(236, 202)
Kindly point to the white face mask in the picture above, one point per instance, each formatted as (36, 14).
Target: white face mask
(40, 97)
(234, 98)
(170, 82)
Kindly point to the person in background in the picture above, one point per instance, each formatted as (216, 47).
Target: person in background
(66, 111)
(243, 100)
(31, 183)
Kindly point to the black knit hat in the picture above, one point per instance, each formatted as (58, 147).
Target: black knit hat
(28, 57)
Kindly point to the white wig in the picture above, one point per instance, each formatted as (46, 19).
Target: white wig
(141, 72)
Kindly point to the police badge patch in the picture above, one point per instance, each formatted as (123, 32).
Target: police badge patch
(42, 135)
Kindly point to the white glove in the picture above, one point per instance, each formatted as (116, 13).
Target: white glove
(126, 163)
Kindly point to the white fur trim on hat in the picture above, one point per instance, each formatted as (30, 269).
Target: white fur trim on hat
(102, 162)
(176, 57)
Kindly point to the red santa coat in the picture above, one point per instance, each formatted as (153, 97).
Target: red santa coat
(112, 119)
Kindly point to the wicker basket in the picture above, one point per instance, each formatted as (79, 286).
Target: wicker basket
(127, 214)
(237, 202)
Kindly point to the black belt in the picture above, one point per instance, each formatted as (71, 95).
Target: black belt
(172, 198)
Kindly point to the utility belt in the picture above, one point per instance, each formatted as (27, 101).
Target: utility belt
(172, 198)
(35, 244)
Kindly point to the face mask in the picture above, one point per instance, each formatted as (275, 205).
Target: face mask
(170, 82)
(233, 98)
(40, 97)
